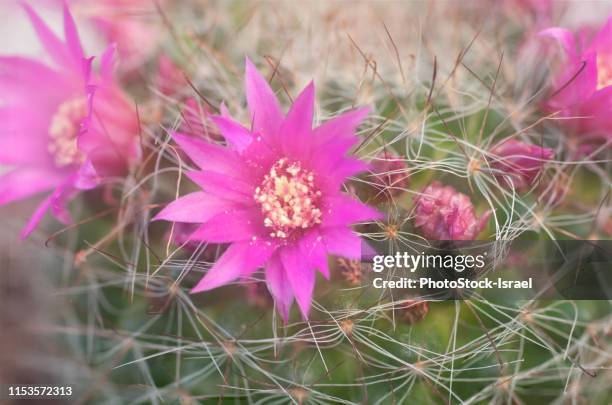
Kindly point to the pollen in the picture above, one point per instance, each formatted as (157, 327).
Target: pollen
(63, 131)
(604, 71)
(288, 198)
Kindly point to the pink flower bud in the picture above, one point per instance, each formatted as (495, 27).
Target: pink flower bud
(170, 78)
(443, 213)
(518, 163)
(351, 270)
(389, 175)
(412, 311)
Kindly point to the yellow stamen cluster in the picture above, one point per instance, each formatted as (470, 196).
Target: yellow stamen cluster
(604, 71)
(63, 131)
(288, 199)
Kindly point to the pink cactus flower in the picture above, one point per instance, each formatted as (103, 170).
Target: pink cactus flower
(443, 213)
(274, 194)
(62, 127)
(582, 88)
(519, 163)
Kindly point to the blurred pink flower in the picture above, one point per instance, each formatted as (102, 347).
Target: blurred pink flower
(274, 194)
(443, 213)
(582, 88)
(541, 10)
(62, 128)
(518, 162)
(131, 24)
(170, 79)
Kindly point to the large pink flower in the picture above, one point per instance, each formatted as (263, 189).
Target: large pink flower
(62, 127)
(274, 193)
(582, 89)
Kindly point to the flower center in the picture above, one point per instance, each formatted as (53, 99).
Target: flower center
(288, 199)
(604, 71)
(63, 131)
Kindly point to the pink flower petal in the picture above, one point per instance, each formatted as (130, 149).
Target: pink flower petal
(231, 226)
(279, 287)
(342, 241)
(56, 202)
(25, 182)
(342, 126)
(87, 177)
(19, 77)
(301, 277)
(23, 137)
(237, 135)
(194, 117)
(342, 210)
(336, 147)
(336, 171)
(240, 259)
(565, 39)
(296, 130)
(261, 155)
(223, 185)
(575, 85)
(602, 42)
(36, 217)
(224, 111)
(265, 110)
(110, 136)
(349, 167)
(196, 207)
(71, 34)
(59, 207)
(209, 156)
(108, 62)
(53, 45)
(313, 249)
